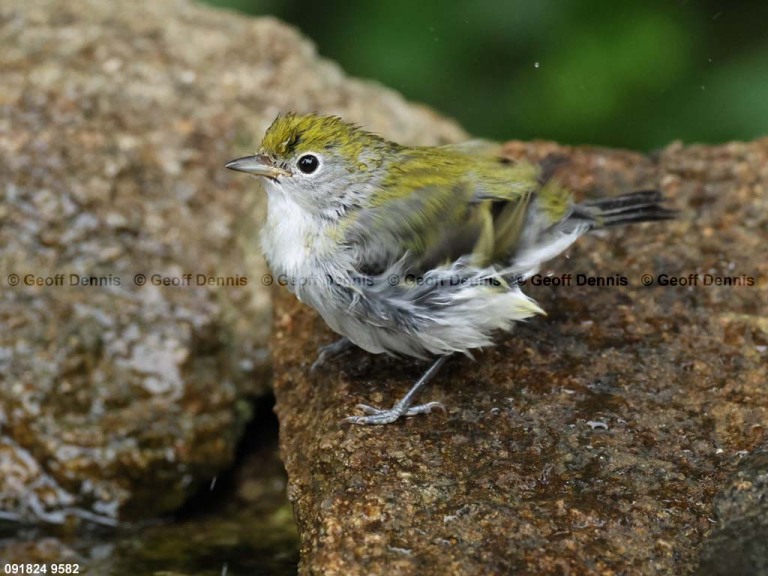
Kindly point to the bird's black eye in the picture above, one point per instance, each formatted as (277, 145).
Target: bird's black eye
(308, 163)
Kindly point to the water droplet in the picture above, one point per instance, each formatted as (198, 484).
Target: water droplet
(536, 64)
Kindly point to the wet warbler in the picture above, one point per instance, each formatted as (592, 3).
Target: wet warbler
(414, 251)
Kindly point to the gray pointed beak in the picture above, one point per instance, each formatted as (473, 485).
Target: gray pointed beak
(258, 165)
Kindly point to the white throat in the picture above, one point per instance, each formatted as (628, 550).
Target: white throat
(291, 238)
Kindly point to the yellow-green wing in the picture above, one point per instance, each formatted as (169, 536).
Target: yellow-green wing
(438, 204)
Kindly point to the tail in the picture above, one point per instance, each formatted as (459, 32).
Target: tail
(642, 206)
(543, 245)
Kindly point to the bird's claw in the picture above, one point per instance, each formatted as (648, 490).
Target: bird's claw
(380, 416)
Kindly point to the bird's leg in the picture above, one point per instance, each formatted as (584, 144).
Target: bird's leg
(403, 406)
(329, 351)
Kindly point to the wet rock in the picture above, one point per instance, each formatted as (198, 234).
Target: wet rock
(240, 523)
(589, 441)
(133, 312)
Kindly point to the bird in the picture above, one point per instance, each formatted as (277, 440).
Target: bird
(416, 251)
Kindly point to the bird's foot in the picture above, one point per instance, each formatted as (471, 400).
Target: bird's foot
(330, 351)
(379, 416)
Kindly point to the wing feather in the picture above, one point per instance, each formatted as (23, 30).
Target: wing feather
(437, 205)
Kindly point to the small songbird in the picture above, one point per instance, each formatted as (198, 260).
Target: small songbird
(415, 251)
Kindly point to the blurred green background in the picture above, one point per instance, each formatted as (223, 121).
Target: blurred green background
(633, 74)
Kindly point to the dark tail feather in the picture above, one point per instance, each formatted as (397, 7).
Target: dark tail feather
(642, 206)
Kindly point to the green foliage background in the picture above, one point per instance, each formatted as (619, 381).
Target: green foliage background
(636, 74)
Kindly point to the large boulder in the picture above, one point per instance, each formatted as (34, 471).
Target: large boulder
(135, 317)
(589, 441)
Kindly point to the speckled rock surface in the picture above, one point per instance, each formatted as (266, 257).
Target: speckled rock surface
(117, 399)
(590, 441)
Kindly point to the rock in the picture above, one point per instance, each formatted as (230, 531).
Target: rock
(589, 441)
(120, 396)
(240, 523)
